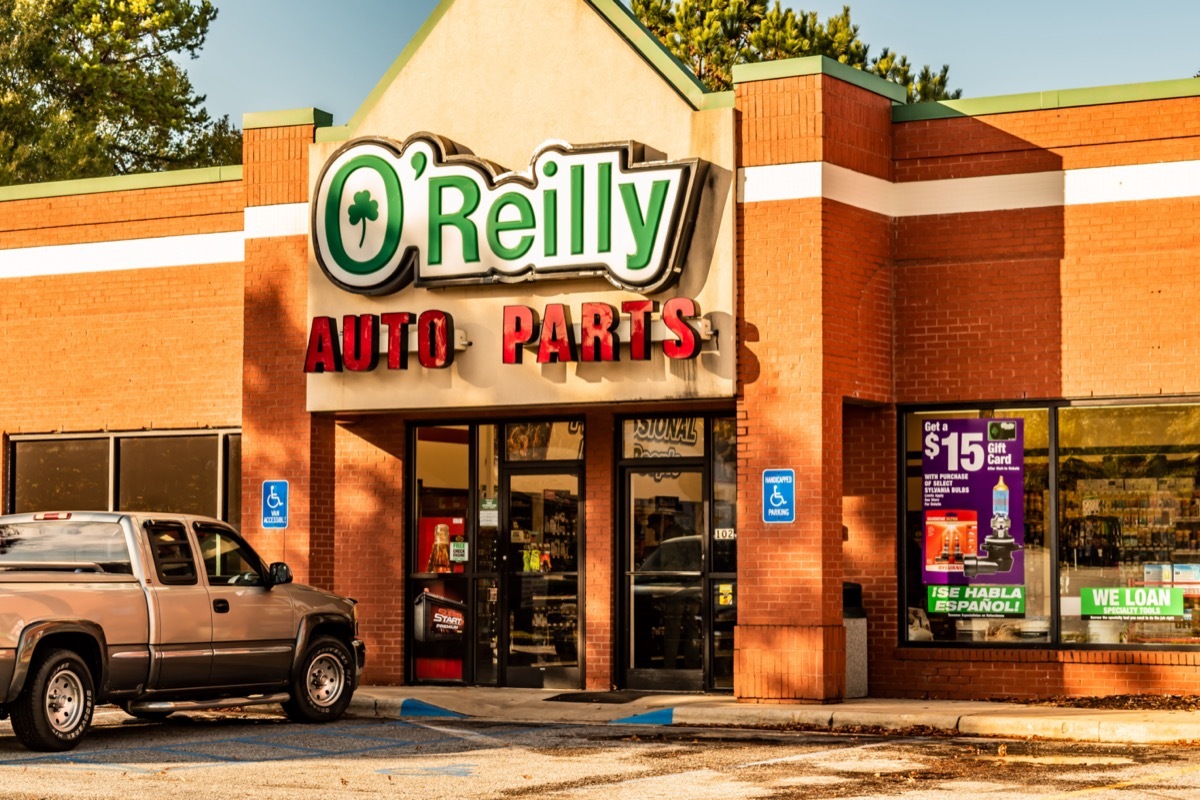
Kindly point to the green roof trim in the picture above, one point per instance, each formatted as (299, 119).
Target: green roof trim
(338, 133)
(287, 119)
(1041, 101)
(122, 183)
(818, 65)
(714, 100)
(620, 18)
(414, 44)
(654, 52)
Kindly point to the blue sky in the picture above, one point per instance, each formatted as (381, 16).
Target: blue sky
(268, 55)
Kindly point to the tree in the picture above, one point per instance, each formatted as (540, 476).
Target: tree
(711, 36)
(90, 88)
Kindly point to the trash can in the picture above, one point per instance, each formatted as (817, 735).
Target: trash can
(854, 618)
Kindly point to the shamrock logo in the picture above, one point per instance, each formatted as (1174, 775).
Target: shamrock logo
(364, 209)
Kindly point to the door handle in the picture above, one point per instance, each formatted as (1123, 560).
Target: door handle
(221, 606)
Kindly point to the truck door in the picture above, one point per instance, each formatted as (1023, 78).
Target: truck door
(253, 627)
(180, 620)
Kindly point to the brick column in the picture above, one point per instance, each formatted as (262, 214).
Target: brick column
(598, 610)
(814, 328)
(280, 439)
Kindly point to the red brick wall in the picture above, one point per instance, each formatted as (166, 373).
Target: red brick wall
(281, 440)
(369, 537)
(156, 348)
(275, 164)
(130, 214)
(599, 554)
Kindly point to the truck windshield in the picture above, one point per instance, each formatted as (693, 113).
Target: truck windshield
(66, 545)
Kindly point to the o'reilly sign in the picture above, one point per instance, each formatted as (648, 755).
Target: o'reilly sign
(385, 215)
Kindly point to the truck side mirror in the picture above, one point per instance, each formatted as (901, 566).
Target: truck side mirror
(280, 573)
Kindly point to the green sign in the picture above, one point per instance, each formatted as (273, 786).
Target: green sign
(965, 602)
(385, 215)
(1131, 602)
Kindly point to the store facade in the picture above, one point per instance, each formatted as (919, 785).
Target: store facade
(583, 379)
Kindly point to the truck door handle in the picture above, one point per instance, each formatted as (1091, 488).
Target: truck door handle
(221, 606)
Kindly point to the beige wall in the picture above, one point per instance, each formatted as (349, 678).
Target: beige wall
(501, 79)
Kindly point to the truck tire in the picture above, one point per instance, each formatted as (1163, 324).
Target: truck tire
(322, 687)
(55, 708)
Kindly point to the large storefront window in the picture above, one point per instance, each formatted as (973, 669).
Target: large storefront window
(185, 472)
(1129, 544)
(977, 565)
(1122, 517)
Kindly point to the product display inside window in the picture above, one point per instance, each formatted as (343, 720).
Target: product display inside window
(1127, 537)
(977, 565)
(1129, 543)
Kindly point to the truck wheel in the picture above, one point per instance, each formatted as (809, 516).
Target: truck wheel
(322, 688)
(55, 708)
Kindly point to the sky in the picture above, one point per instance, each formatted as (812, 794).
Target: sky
(271, 55)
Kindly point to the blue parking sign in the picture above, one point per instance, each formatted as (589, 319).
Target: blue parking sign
(779, 495)
(275, 504)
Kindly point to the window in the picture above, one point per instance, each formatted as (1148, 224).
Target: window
(1129, 541)
(60, 474)
(173, 559)
(1111, 491)
(193, 472)
(226, 559)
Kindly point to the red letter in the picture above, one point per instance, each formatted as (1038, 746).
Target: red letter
(323, 355)
(397, 323)
(360, 337)
(600, 340)
(435, 339)
(676, 312)
(558, 338)
(520, 326)
(639, 312)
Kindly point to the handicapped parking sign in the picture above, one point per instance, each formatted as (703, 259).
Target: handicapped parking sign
(275, 504)
(779, 495)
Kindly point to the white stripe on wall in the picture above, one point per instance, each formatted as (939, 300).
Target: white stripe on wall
(962, 195)
(263, 222)
(162, 251)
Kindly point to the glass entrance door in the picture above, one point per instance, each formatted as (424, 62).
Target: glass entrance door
(679, 552)
(542, 573)
(665, 579)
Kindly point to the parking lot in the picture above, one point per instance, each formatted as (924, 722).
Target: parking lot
(261, 755)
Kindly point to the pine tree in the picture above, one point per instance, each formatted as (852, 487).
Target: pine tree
(711, 36)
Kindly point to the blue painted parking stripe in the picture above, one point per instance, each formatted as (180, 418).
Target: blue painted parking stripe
(410, 707)
(664, 716)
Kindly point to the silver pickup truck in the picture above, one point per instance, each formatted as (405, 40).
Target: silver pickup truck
(159, 613)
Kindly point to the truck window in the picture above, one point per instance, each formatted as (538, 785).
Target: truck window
(173, 559)
(226, 558)
(65, 545)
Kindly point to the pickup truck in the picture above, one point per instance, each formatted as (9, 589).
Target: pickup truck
(159, 613)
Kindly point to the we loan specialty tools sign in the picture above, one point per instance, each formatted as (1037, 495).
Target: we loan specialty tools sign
(973, 512)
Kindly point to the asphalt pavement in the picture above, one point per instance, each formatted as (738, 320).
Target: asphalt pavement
(967, 718)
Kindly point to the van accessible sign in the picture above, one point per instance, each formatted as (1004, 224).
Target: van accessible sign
(385, 215)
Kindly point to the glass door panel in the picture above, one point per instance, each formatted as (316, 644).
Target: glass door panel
(543, 584)
(665, 579)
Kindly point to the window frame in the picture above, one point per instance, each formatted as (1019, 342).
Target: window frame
(1051, 516)
(222, 455)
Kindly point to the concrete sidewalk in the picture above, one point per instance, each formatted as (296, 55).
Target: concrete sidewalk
(1008, 720)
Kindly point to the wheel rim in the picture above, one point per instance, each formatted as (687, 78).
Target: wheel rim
(326, 678)
(64, 701)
